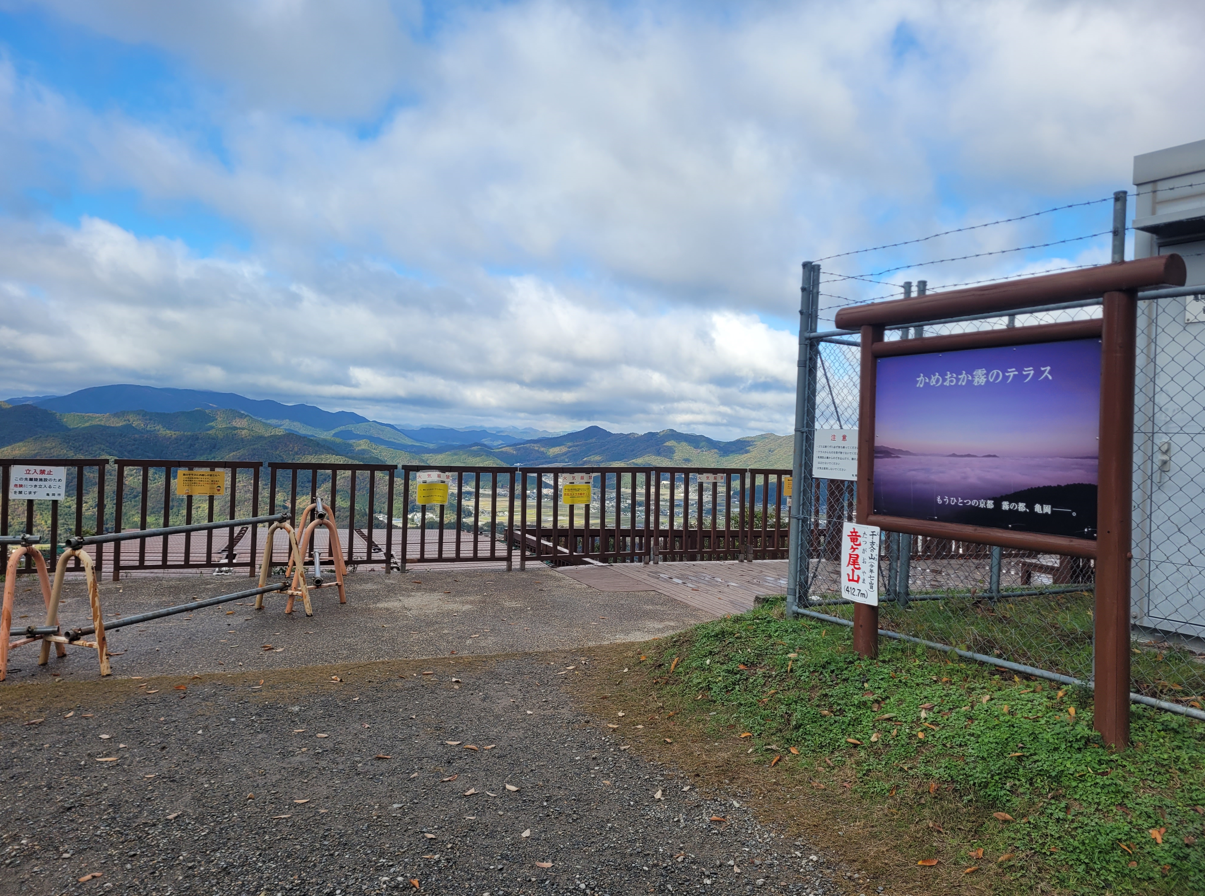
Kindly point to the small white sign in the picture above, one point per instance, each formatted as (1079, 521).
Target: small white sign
(860, 564)
(36, 483)
(425, 476)
(708, 478)
(835, 454)
(577, 478)
(1194, 309)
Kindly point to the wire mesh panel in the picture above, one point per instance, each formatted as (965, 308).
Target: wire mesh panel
(1037, 609)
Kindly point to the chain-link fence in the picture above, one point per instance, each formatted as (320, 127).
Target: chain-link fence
(1021, 607)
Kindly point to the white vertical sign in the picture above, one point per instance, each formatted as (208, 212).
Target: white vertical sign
(860, 564)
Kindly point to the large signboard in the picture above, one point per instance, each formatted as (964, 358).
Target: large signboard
(1004, 437)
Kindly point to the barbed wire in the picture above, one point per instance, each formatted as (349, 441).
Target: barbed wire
(1046, 211)
(935, 261)
(933, 236)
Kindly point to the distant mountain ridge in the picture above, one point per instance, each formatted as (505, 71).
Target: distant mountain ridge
(306, 435)
(304, 419)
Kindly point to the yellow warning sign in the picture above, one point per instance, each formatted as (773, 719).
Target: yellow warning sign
(200, 482)
(786, 486)
(432, 493)
(575, 494)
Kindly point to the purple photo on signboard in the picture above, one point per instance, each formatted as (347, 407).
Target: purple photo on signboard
(1004, 437)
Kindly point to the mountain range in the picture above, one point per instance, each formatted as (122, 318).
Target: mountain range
(148, 422)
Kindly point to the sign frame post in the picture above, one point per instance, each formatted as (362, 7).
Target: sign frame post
(1116, 284)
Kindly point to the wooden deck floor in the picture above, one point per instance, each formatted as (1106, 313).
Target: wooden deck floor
(718, 588)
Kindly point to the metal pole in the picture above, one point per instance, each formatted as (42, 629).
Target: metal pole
(79, 541)
(1119, 225)
(76, 634)
(994, 582)
(805, 429)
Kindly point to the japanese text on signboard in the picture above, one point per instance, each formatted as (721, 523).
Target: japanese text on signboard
(37, 483)
(432, 487)
(860, 564)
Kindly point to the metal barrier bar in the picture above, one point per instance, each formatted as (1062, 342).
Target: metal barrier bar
(76, 634)
(79, 541)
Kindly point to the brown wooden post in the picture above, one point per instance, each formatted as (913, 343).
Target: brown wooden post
(866, 618)
(1114, 517)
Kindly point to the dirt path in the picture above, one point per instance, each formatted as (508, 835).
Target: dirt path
(356, 777)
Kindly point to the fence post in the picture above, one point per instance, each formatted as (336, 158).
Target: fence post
(866, 618)
(805, 432)
(1111, 641)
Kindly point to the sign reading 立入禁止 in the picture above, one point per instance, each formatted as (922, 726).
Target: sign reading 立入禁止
(36, 483)
(835, 454)
(576, 488)
(200, 482)
(431, 487)
(860, 564)
(1004, 437)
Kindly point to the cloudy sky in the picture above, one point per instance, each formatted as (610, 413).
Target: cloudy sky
(545, 214)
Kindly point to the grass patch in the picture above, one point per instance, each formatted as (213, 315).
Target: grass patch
(982, 762)
(1051, 631)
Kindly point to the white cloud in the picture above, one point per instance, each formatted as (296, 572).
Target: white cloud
(593, 205)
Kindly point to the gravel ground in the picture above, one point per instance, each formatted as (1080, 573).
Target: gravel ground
(459, 774)
(420, 613)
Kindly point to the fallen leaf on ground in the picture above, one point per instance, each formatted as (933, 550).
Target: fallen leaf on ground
(970, 870)
(526, 833)
(275, 817)
(449, 778)
(1005, 857)
(794, 751)
(775, 761)
(470, 791)
(874, 738)
(854, 741)
(181, 687)
(1002, 816)
(106, 758)
(173, 816)
(977, 853)
(718, 818)
(928, 863)
(453, 743)
(471, 747)
(673, 665)
(1126, 847)
(543, 864)
(932, 787)
(88, 877)
(321, 735)
(488, 747)
(382, 756)
(610, 725)
(301, 802)
(512, 788)
(747, 734)
(414, 882)
(1157, 834)
(429, 836)
(336, 678)
(657, 795)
